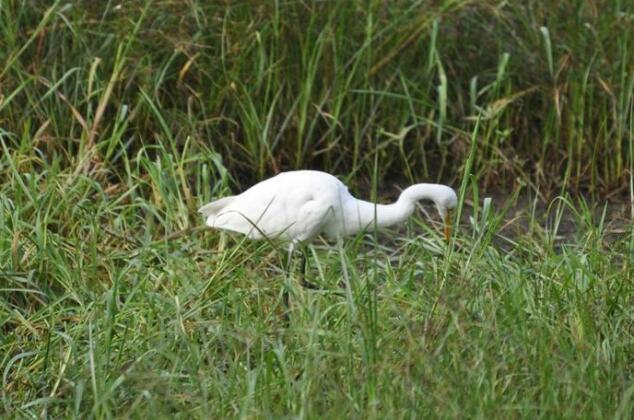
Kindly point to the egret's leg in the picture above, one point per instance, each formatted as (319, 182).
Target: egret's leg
(305, 283)
(343, 284)
(287, 285)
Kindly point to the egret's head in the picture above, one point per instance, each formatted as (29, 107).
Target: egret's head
(446, 201)
(443, 196)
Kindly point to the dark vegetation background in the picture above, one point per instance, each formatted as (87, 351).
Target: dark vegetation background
(260, 87)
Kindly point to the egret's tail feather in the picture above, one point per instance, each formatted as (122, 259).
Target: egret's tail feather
(211, 209)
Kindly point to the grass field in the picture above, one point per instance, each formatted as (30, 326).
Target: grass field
(118, 120)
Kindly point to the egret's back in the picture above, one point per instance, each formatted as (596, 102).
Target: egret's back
(295, 206)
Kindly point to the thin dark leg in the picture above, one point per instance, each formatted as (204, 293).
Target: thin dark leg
(287, 308)
(285, 299)
(305, 283)
(285, 287)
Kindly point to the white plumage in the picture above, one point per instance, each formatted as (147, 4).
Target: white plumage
(296, 206)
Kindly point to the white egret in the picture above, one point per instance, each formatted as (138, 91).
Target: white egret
(297, 206)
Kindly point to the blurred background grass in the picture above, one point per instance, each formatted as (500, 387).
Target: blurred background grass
(269, 86)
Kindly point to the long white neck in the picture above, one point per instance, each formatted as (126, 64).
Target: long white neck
(362, 214)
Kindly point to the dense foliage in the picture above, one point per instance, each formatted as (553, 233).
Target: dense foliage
(267, 86)
(119, 119)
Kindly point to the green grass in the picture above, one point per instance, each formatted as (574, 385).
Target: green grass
(117, 122)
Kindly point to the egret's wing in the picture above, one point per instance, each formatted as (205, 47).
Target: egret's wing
(291, 206)
(311, 219)
(282, 215)
(252, 217)
(212, 209)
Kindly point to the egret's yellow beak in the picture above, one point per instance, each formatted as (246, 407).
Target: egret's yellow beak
(448, 224)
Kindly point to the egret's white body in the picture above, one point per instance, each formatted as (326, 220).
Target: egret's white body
(296, 206)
